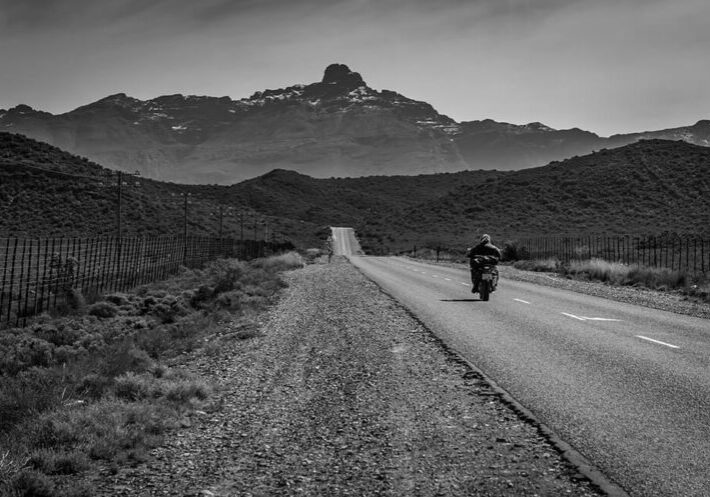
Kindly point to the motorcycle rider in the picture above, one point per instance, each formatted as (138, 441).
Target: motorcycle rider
(484, 248)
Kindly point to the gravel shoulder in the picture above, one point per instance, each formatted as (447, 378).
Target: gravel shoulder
(341, 393)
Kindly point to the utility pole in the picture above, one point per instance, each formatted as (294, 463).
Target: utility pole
(184, 229)
(241, 226)
(184, 224)
(120, 201)
(221, 218)
(255, 243)
(119, 243)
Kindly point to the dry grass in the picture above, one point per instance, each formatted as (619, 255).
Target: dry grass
(616, 273)
(90, 387)
(543, 265)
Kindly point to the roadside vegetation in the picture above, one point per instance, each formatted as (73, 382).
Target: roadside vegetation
(615, 273)
(102, 387)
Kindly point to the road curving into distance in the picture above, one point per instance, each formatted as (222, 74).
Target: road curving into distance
(627, 386)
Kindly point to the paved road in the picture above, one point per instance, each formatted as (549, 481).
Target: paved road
(344, 241)
(627, 386)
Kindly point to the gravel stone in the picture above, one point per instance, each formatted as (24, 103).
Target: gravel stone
(343, 393)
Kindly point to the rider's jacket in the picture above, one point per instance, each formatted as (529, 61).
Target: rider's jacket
(486, 248)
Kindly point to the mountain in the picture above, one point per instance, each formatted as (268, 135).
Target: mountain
(336, 127)
(644, 188)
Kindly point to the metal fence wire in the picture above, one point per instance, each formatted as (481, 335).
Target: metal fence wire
(689, 254)
(44, 274)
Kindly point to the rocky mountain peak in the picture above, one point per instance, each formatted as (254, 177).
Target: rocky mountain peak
(341, 75)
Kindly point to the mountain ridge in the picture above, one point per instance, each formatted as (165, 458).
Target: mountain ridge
(643, 188)
(336, 127)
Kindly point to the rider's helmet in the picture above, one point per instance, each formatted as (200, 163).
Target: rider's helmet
(485, 238)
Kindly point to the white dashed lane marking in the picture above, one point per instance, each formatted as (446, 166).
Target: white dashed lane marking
(658, 342)
(585, 318)
(573, 316)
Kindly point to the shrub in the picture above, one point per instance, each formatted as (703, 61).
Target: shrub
(657, 278)
(29, 392)
(183, 388)
(20, 352)
(312, 254)
(599, 270)
(103, 310)
(57, 462)
(231, 301)
(283, 262)
(512, 251)
(117, 299)
(76, 302)
(122, 357)
(203, 294)
(94, 385)
(224, 273)
(66, 333)
(132, 387)
(543, 265)
(32, 483)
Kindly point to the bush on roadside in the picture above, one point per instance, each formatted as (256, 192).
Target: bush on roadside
(543, 265)
(513, 251)
(103, 310)
(90, 386)
(616, 273)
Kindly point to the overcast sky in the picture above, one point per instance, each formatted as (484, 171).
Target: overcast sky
(608, 66)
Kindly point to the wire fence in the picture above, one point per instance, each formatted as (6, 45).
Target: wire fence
(685, 253)
(689, 254)
(45, 274)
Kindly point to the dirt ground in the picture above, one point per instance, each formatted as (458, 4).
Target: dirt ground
(343, 393)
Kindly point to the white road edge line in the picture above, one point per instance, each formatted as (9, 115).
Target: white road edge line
(447, 279)
(523, 301)
(465, 284)
(658, 341)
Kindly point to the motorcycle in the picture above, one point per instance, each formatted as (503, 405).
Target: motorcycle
(486, 267)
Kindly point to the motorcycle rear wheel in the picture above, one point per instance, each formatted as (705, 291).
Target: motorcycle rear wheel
(485, 290)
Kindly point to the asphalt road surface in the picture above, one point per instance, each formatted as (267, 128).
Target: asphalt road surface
(627, 386)
(344, 241)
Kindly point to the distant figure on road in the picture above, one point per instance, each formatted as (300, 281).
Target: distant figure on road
(484, 248)
(329, 248)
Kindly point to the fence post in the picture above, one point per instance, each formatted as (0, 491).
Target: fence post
(44, 275)
(4, 277)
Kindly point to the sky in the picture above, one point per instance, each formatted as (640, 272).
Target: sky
(607, 66)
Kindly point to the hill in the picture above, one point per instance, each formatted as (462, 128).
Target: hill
(648, 187)
(45, 191)
(644, 188)
(336, 127)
